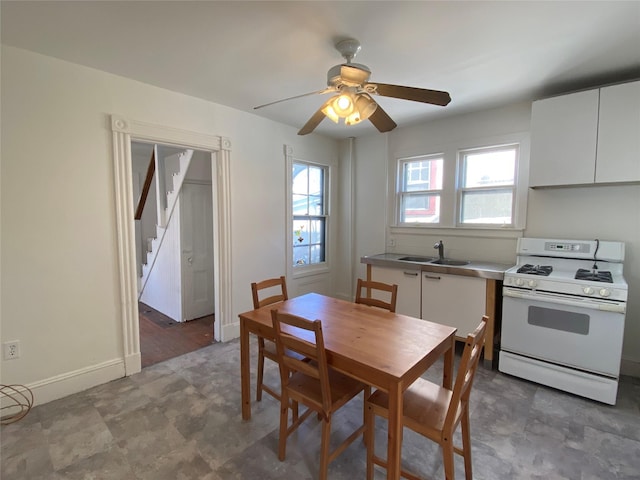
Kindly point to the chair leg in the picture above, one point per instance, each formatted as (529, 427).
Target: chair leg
(260, 369)
(447, 458)
(284, 425)
(370, 428)
(324, 448)
(367, 394)
(466, 443)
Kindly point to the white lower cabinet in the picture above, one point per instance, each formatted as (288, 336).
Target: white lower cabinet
(453, 300)
(408, 281)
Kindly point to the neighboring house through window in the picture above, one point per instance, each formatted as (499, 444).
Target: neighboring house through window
(420, 189)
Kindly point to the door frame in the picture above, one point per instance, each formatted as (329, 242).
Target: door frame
(125, 130)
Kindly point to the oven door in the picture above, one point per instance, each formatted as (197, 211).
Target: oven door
(575, 332)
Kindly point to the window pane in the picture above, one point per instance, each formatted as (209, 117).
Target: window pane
(487, 207)
(301, 255)
(317, 254)
(315, 205)
(316, 231)
(422, 175)
(300, 232)
(300, 204)
(300, 179)
(315, 181)
(487, 169)
(423, 208)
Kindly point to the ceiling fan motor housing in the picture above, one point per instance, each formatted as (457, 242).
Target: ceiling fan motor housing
(348, 74)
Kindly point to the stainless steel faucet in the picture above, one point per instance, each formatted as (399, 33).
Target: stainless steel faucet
(440, 246)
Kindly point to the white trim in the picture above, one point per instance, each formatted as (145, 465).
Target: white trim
(60, 386)
(124, 130)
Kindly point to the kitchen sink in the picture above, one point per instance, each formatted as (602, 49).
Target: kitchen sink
(448, 261)
(416, 259)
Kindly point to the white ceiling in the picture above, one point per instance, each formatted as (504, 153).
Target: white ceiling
(243, 54)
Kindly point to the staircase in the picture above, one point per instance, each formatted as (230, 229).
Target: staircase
(164, 213)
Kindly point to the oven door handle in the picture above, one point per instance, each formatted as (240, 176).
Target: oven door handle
(593, 304)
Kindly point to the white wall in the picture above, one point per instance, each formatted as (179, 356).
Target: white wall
(58, 211)
(608, 213)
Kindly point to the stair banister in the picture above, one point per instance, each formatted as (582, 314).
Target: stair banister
(147, 184)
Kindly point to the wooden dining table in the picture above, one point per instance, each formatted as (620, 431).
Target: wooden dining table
(382, 349)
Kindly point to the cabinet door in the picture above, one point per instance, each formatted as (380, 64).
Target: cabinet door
(408, 281)
(563, 139)
(453, 300)
(618, 157)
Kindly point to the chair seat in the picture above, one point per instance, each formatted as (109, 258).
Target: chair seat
(425, 406)
(343, 388)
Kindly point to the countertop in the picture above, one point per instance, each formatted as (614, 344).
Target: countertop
(488, 270)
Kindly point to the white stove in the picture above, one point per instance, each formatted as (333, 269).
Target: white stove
(564, 305)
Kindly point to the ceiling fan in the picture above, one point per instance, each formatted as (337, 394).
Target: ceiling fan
(353, 94)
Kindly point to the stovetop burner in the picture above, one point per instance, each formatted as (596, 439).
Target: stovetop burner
(594, 275)
(543, 270)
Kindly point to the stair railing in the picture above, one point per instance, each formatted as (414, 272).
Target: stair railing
(147, 184)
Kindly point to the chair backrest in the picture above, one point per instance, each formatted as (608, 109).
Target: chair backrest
(372, 286)
(271, 283)
(297, 335)
(466, 371)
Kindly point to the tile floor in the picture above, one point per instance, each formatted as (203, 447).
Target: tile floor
(180, 419)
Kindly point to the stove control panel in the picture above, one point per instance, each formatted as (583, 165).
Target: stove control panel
(588, 290)
(567, 247)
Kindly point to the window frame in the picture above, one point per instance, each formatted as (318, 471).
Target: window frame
(402, 192)
(461, 189)
(448, 224)
(308, 268)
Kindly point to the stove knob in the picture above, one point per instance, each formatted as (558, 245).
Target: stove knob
(533, 283)
(519, 282)
(605, 292)
(588, 290)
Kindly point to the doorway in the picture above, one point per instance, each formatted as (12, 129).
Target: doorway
(125, 131)
(174, 249)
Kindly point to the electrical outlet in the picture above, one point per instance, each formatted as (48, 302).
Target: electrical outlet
(12, 350)
(391, 242)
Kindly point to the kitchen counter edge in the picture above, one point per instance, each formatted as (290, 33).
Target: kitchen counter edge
(487, 270)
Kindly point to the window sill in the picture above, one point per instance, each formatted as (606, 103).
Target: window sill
(310, 270)
(481, 232)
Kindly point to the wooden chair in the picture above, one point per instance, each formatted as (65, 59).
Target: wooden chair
(276, 288)
(372, 286)
(311, 382)
(434, 411)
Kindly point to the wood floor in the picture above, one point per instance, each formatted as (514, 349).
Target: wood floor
(162, 338)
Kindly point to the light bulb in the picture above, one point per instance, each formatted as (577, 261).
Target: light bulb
(343, 105)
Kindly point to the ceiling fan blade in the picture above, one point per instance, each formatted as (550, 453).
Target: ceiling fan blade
(313, 122)
(381, 120)
(319, 92)
(435, 97)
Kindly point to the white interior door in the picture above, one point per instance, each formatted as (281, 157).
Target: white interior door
(196, 241)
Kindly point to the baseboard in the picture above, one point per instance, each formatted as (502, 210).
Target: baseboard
(231, 331)
(133, 364)
(60, 386)
(630, 368)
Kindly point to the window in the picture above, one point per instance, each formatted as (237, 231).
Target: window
(486, 185)
(420, 189)
(308, 189)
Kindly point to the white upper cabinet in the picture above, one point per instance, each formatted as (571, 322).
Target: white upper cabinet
(618, 154)
(563, 139)
(586, 137)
